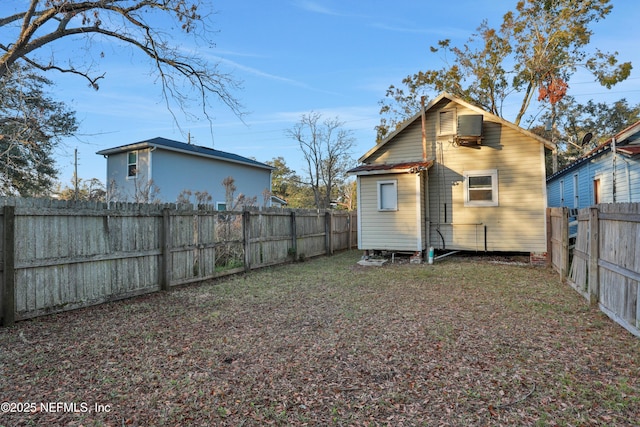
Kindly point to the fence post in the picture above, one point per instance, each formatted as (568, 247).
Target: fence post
(594, 255)
(350, 228)
(9, 289)
(294, 235)
(549, 240)
(165, 274)
(328, 229)
(246, 234)
(564, 265)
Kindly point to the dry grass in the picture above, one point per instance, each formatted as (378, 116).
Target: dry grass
(327, 342)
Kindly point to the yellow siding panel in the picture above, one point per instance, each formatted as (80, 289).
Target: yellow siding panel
(395, 230)
(518, 223)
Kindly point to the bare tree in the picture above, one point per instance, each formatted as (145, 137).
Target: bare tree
(232, 201)
(326, 148)
(134, 23)
(145, 191)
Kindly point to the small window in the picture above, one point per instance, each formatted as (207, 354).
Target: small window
(596, 191)
(388, 195)
(562, 192)
(481, 188)
(132, 164)
(446, 122)
(221, 206)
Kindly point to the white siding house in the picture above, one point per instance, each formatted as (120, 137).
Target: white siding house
(473, 182)
(172, 167)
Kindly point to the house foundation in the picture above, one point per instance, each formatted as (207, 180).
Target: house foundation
(538, 258)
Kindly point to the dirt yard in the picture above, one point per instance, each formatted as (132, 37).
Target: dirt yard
(464, 342)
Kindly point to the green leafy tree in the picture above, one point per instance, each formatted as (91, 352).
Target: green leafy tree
(148, 27)
(578, 128)
(283, 179)
(82, 189)
(31, 126)
(536, 51)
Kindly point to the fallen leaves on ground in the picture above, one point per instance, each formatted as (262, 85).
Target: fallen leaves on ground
(327, 342)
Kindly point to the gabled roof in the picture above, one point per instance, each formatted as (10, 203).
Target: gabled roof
(444, 95)
(197, 150)
(628, 138)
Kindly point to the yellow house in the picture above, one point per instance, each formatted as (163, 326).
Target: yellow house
(454, 177)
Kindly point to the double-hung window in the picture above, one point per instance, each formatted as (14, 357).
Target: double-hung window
(388, 195)
(132, 164)
(481, 188)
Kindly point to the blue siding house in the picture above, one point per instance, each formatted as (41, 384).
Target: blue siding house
(171, 167)
(610, 173)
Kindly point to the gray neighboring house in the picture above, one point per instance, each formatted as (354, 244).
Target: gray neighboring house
(174, 166)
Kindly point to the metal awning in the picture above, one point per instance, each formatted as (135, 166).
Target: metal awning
(386, 168)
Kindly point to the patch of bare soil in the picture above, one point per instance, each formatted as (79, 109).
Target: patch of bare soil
(326, 342)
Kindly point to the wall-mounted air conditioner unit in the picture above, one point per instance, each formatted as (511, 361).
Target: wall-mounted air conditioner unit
(470, 128)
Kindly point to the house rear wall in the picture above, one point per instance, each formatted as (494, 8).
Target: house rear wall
(518, 223)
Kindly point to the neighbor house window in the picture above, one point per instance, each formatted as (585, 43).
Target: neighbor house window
(132, 164)
(481, 188)
(447, 122)
(388, 195)
(562, 192)
(221, 206)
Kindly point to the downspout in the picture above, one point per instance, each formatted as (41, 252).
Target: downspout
(613, 161)
(149, 169)
(424, 131)
(626, 169)
(424, 159)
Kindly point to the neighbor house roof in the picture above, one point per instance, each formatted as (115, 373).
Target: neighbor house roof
(550, 145)
(628, 138)
(181, 147)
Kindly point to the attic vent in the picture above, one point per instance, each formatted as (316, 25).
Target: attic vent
(470, 128)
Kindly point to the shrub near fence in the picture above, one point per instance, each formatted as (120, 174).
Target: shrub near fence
(58, 256)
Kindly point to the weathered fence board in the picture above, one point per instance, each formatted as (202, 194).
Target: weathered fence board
(60, 256)
(559, 239)
(606, 260)
(579, 271)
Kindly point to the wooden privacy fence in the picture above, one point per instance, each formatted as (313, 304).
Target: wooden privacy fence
(58, 256)
(604, 262)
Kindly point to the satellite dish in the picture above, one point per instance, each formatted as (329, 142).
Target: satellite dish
(586, 138)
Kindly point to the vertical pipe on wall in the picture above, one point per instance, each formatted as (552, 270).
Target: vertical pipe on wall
(424, 131)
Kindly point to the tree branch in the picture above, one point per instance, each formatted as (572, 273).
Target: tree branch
(126, 26)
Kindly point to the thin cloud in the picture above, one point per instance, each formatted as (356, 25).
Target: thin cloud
(260, 73)
(314, 7)
(442, 32)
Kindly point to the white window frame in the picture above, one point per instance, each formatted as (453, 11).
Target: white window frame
(129, 164)
(383, 206)
(493, 173)
(562, 192)
(220, 204)
(448, 130)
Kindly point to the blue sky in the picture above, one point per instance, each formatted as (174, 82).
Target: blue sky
(293, 57)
